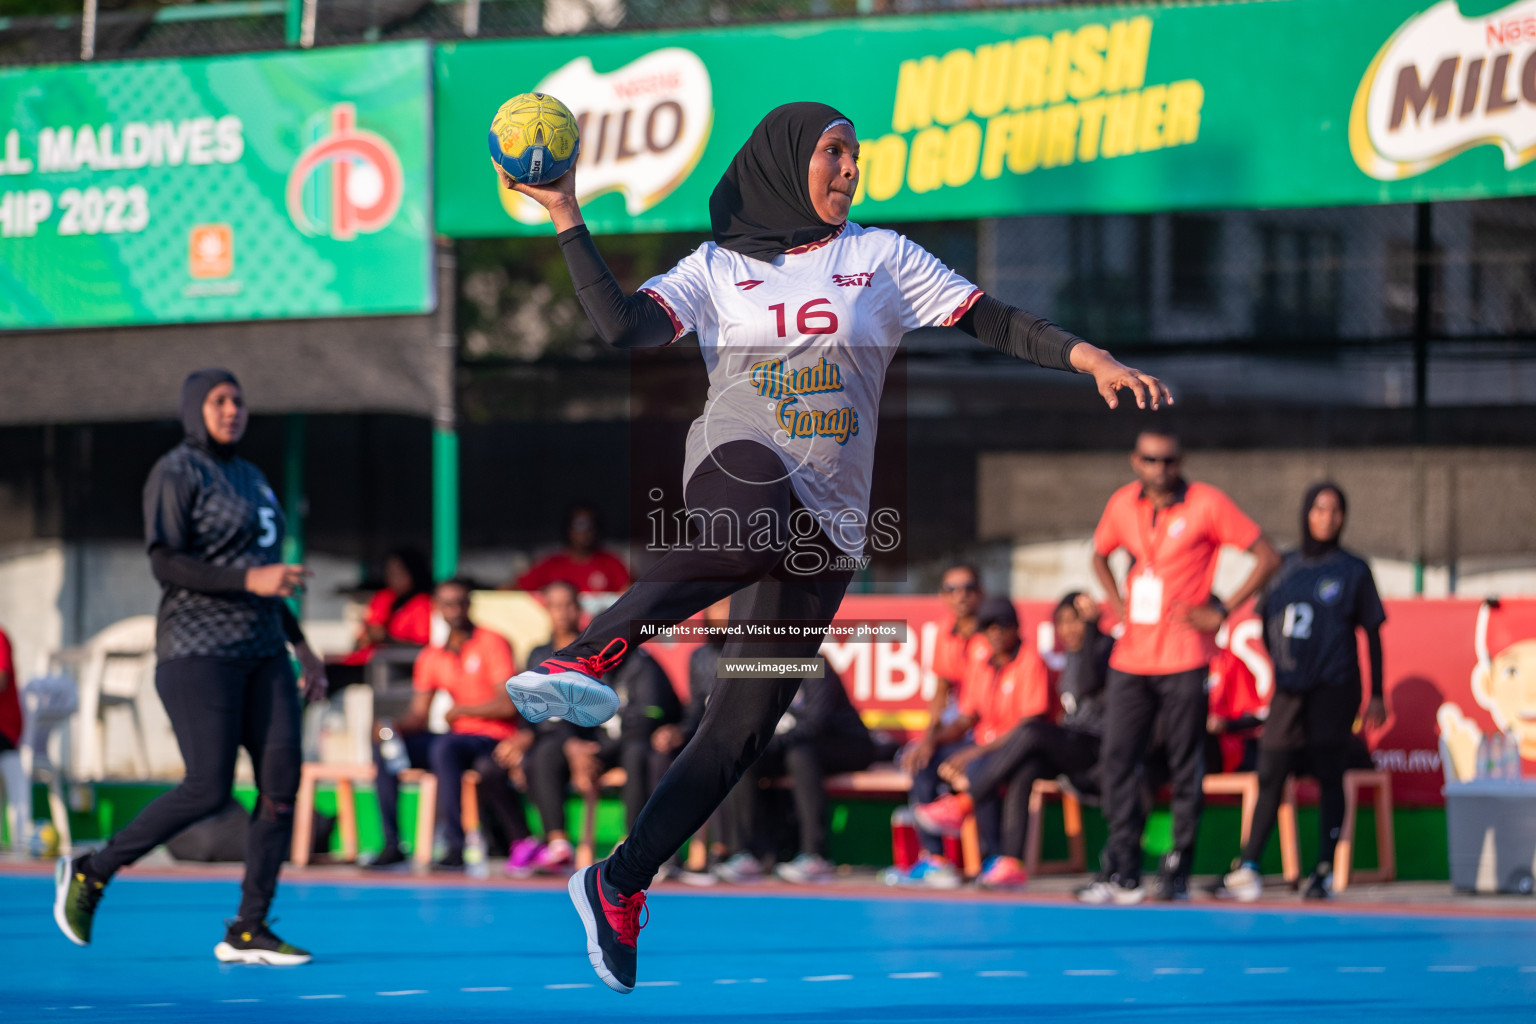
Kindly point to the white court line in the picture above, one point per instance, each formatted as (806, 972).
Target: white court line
(656, 984)
(239, 1000)
(757, 981)
(1452, 968)
(82, 1007)
(1266, 970)
(332, 995)
(1178, 970)
(725, 981)
(579, 984)
(916, 974)
(404, 992)
(1090, 973)
(146, 1005)
(1002, 974)
(1361, 970)
(829, 977)
(1528, 970)
(488, 988)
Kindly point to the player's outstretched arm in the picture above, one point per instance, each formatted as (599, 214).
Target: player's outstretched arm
(623, 321)
(1038, 340)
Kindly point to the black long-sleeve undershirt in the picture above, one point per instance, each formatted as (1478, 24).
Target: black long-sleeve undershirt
(623, 321)
(1022, 335)
(178, 569)
(639, 321)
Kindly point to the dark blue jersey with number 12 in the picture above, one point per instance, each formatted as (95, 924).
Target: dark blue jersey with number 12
(223, 512)
(1311, 610)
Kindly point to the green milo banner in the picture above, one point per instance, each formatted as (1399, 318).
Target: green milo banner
(228, 188)
(1124, 108)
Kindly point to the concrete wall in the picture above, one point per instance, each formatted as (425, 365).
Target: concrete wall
(1466, 509)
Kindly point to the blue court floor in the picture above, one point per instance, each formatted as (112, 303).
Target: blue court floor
(405, 952)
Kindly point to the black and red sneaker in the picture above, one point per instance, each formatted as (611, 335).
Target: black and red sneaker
(613, 922)
(569, 688)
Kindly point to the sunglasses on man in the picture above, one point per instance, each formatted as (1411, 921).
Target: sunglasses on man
(1160, 460)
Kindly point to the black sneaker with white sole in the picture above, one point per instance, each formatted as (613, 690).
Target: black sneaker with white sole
(569, 688)
(76, 892)
(255, 944)
(613, 922)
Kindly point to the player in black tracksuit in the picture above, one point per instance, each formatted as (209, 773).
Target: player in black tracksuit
(1311, 610)
(214, 530)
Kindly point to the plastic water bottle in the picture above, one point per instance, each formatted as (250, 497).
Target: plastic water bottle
(1513, 769)
(1484, 758)
(392, 748)
(1496, 756)
(475, 855)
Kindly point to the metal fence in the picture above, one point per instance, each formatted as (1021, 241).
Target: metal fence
(137, 29)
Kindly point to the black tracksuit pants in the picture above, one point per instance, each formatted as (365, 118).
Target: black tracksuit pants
(799, 579)
(1030, 751)
(216, 706)
(1133, 706)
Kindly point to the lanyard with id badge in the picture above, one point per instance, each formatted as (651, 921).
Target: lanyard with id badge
(1145, 607)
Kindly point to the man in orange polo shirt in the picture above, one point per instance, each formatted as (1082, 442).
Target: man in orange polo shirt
(1009, 685)
(470, 666)
(1173, 531)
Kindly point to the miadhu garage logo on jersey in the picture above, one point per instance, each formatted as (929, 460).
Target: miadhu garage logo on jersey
(345, 183)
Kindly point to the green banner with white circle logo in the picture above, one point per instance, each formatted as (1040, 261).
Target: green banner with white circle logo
(226, 188)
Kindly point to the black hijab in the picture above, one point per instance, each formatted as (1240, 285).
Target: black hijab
(1311, 547)
(762, 205)
(194, 392)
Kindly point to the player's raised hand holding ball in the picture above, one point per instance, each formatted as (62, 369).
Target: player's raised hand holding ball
(534, 144)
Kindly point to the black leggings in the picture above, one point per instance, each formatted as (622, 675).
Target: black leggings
(216, 706)
(741, 479)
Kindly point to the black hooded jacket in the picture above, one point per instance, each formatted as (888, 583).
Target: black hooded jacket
(209, 515)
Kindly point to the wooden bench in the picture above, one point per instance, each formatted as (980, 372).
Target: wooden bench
(345, 777)
(1076, 861)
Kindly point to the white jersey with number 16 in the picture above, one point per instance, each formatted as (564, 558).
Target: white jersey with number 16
(797, 351)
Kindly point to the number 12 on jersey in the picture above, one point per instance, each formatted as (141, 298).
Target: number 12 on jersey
(809, 319)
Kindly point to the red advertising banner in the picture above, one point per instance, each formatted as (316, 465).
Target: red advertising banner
(1470, 666)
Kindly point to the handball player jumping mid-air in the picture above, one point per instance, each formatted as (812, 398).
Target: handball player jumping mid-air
(798, 313)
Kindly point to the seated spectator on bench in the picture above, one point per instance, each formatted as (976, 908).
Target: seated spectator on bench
(1038, 749)
(646, 703)
(401, 613)
(503, 814)
(821, 734)
(1010, 687)
(582, 562)
(958, 643)
(470, 666)
(537, 756)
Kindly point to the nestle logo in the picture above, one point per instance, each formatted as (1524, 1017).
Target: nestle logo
(854, 280)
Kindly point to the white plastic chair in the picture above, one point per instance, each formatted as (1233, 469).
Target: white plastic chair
(119, 663)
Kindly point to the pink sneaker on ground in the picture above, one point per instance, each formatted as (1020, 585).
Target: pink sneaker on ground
(1003, 873)
(525, 852)
(558, 858)
(944, 816)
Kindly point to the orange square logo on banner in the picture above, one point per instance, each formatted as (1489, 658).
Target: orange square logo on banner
(211, 251)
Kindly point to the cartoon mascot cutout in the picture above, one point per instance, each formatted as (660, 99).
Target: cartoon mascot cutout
(1503, 683)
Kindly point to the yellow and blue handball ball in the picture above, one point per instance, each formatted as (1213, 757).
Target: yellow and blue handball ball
(534, 138)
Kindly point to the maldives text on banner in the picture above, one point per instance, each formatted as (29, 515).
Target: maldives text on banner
(225, 188)
(1080, 109)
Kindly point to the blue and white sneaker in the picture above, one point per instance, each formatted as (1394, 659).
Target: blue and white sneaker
(569, 688)
(929, 872)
